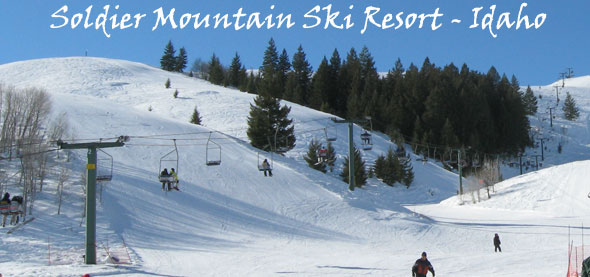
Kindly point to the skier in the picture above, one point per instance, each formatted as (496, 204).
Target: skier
(323, 153)
(497, 243)
(174, 180)
(422, 266)
(266, 167)
(164, 174)
(5, 202)
(18, 201)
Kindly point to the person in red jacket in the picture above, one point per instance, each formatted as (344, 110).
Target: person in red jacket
(422, 266)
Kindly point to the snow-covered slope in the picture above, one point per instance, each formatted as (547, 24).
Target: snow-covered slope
(230, 220)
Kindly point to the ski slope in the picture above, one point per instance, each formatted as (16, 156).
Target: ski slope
(230, 220)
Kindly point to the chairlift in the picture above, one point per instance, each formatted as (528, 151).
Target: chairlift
(283, 147)
(400, 153)
(261, 167)
(366, 142)
(104, 167)
(169, 160)
(213, 149)
(475, 162)
(331, 134)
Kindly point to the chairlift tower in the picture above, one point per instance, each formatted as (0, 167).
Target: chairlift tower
(351, 167)
(90, 257)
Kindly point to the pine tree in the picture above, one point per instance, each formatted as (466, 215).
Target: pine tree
(408, 171)
(320, 86)
(168, 61)
(570, 110)
(270, 81)
(388, 168)
(360, 174)
(195, 118)
(302, 71)
(216, 75)
(181, 60)
(379, 168)
(336, 95)
(175, 95)
(167, 83)
(448, 137)
(331, 157)
(234, 73)
(312, 157)
(530, 101)
(267, 121)
(283, 70)
(252, 81)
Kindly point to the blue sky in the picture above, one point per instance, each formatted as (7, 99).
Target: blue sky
(534, 56)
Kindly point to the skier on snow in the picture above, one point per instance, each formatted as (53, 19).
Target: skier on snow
(497, 243)
(422, 266)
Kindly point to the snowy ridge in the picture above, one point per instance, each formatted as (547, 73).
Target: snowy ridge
(230, 220)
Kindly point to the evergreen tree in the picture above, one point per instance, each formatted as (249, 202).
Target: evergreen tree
(302, 71)
(360, 174)
(312, 157)
(331, 157)
(283, 68)
(388, 168)
(267, 121)
(408, 172)
(379, 168)
(336, 94)
(320, 86)
(167, 83)
(448, 137)
(195, 118)
(252, 81)
(570, 110)
(168, 61)
(216, 75)
(181, 60)
(243, 77)
(175, 95)
(530, 101)
(269, 83)
(235, 72)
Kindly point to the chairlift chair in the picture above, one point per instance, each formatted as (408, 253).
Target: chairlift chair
(400, 153)
(170, 158)
(322, 155)
(330, 131)
(366, 142)
(475, 162)
(213, 152)
(104, 168)
(282, 147)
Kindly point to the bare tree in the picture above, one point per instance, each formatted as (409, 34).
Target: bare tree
(63, 176)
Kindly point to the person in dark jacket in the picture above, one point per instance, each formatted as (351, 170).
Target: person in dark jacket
(164, 173)
(6, 198)
(497, 243)
(422, 266)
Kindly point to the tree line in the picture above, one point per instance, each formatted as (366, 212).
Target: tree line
(445, 107)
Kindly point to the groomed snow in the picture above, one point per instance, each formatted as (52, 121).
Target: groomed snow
(230, 220)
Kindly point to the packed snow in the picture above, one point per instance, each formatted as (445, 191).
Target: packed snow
(230, 220)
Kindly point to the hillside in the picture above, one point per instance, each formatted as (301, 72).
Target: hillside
(230, 220)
